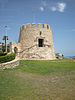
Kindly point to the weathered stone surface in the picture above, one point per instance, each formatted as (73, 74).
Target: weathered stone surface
(27, 46)
(10, 64)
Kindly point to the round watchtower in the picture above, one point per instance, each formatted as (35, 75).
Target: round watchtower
(36, 42)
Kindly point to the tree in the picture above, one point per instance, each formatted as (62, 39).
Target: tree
(5, 38)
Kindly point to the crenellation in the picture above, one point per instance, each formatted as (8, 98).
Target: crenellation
(39, 25)
(45, 26)
(28, 25)
(33, 25)
(48, 27)
(23, 27)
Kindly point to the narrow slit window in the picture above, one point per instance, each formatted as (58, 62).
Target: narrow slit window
(40, 32)
(40, 42)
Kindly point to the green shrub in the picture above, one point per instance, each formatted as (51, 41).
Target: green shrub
(3, 54)
(7, 58)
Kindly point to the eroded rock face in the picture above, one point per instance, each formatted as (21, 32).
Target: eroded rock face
(35, 42)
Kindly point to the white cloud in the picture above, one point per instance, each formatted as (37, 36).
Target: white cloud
(61, 7)
(58, 6)
(42, 8)
(43, 5)
(53, 8)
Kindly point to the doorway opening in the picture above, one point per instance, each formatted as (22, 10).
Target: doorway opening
(40, 42)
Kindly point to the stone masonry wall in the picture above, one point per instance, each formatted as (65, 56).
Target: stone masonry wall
(10, 64)
(28, 42)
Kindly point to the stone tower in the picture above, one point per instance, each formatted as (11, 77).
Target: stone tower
(35, 42)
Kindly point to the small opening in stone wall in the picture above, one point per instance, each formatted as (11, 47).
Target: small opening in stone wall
(36, 25)
(47, 26)
(15, 49)
(40, 42)
(40, 32)
(31, 25)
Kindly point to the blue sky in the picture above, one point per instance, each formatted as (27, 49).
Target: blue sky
(60, 14)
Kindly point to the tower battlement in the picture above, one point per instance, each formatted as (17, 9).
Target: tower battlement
(35, 25)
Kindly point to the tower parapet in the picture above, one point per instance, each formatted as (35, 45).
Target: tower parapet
(45, 26)
(28, 25)
(35, 25)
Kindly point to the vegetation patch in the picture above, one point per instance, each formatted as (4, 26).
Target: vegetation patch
(7, 58)
(3, 54)
(46, 67)
(39, 80)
